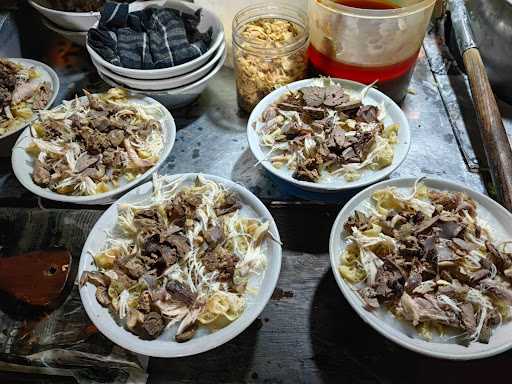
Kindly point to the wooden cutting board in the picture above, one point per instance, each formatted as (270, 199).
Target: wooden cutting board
(37, 279)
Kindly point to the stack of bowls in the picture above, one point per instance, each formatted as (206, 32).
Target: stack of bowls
(71, 25)
(174, 86)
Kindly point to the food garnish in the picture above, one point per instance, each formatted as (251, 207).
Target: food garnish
(430, 260)
(321, 131)
(88, 146)
(183, 257)
(258, 70)
(21, 93)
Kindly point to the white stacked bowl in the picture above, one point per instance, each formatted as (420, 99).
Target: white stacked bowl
(68, 21)
(173, 86)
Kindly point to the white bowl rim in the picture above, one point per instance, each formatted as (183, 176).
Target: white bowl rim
(55, 90)
(162, 71)
(211, 64)
(227, 333)
(182, 89)
(35, 4)
(58, 29)
(322, 187)
(100, 198)
(400, 338)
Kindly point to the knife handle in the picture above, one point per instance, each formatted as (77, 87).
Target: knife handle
(493, 134)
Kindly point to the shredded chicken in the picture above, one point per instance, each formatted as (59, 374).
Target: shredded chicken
(182, 257)
(429, 259)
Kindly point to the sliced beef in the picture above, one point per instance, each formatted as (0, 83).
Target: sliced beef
(178, 242)
(134, 267)
(85, 161)
(362, 147)
(388, 284)
(468, 317)
(230, 204)
(426, 224)
(165, 251)
(335, 95)
(428, 243)
(153, 325)
(369, 297)
(367, 114)
(41, 175)
(348, 106)
(358, 220)
(450, 229)
(180, 293)
(288, 107)
(214, 235)
(501, 260)
(41, 96)
(102, 296)
(98, 279)
(101, 123)
(116, 137)
(222, 261)
(313, 96)
(314, 113)
(415, 276)
(465, 246)
(187, 334)
(145, 302)
(95, 142)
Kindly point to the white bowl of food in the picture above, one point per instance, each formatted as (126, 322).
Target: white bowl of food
(347, 135)
(36, 86)
(68, 20)
(92, 149)
(208, 20)
(166, 84)
(175, 97)
(77, 37)
(206, 234)
(426, 263)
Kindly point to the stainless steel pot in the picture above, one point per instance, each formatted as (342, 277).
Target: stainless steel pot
(492, 26)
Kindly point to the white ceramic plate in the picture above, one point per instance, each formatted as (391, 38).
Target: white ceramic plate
(374, 97)
(22, 163)
(176, 97)
(165, 84)
(208, 19)
(76, 37)
(71, 21)
(399, 331)
(203, 341)
(47, 74)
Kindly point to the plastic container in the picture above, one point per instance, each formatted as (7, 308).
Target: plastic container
(262, 65)
(368, 45)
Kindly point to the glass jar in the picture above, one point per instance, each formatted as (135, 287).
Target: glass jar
(366, 45)
(269, 50)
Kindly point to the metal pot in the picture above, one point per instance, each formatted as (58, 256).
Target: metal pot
(492, 26)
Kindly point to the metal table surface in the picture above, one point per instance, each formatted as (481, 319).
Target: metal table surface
(307, 332)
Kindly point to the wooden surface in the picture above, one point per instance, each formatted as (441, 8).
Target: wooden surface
(494, 136)
(308, 333)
